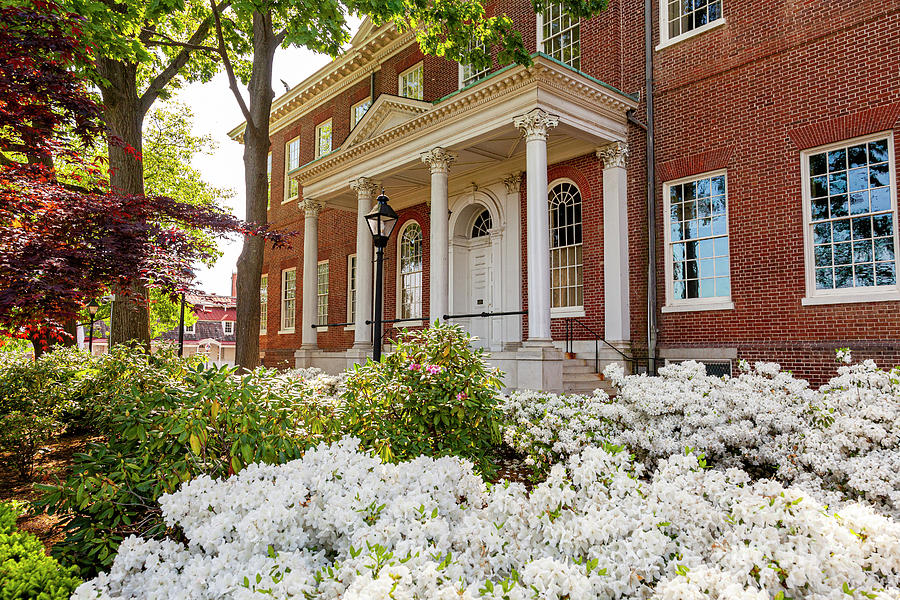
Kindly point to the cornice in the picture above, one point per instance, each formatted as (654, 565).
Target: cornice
(543, 73)
(332, 79)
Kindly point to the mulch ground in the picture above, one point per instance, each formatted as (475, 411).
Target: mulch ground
(55, 459)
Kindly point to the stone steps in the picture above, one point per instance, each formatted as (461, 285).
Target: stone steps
(579, 377)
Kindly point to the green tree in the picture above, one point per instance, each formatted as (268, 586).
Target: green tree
(442, 27)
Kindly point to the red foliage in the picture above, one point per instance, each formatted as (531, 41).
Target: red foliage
(63, 243)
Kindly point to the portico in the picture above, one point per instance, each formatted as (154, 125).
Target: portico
(465, 156)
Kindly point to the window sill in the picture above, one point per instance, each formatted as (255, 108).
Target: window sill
(677, 308)
(885, 296)
(691, 33)
(568, 311)
(321, 330)
(285, 331)
(350, 328)
(290, 200)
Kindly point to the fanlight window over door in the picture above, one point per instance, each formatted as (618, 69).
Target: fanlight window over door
(566, 280)
(482, 224)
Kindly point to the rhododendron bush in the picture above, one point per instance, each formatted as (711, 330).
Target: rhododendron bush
(339, 523)
(842, 441)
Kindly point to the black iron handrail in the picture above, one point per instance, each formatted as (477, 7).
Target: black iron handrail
(399, 320)
(315, 325)
(570, 341)
(486, 314)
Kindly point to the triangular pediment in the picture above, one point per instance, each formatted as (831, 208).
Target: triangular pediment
(365, 31)
(386, 113)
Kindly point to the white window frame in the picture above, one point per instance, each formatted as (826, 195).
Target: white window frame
(398, 309)
(540, 39)
(567, 311)
(263, 304)
(288, 168)
(320, 295)
(192, 328)
(225, 325)
(419, 66)
(269, 181)
(665, 41)
(352, 271)
(319, 129)
(476, 76)
(694, 304)
(854, 294)
(293, 312)
(368, 99)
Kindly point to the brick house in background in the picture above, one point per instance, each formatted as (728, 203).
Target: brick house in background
(771, 232)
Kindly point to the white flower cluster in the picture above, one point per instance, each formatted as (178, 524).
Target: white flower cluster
(842, 441)
(340, 524)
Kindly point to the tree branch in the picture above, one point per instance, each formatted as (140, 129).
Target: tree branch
(229, 69)
(280, 37)
(162, 79)
(168, 41)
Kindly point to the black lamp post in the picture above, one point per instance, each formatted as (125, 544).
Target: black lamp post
(92, 307)
(381, 219)
(181, 328)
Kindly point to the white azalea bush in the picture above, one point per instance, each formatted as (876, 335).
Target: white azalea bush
(339, 523)
(843, 441)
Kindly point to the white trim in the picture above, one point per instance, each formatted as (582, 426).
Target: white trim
(353, 111)
(264, 323)
(282, 328)
(225, 328)
(192, 328)
(664, 30)
(400, 76)
(559, 312)
(693, 304)
(287, 169)
(327, 295)
(319, 127)
(398, 303)
(540, 34)
(351, 314)
(576, 310)
(854, 294)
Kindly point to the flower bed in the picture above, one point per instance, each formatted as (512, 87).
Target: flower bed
(339, 523)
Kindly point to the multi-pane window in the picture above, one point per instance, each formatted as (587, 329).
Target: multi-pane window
(560, 35)
(263, 303)
(192, 328)
(697, 222)
(482, 224)
(269, 181)
(686, 15)
(411, 83)
(322, 293)
(851, 215)
(351, 288)
(566, 283)
(228, 327)
(359, 111)
(288, 299)
(469, 73)
(323, 138)
(411, 271)
(291, 162)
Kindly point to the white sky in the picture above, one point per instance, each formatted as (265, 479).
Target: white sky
(215, 113)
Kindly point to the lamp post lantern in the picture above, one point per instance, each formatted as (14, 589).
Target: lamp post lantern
(381, 220)
(92, 307)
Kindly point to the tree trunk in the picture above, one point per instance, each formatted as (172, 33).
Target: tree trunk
(256, 149)
(124, 115)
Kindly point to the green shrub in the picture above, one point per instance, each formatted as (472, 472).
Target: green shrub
(434, 395)
(206, 422)
(25, 570)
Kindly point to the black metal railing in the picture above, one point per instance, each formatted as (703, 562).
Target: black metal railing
(325, 325)
(503, 313)
(571, 323)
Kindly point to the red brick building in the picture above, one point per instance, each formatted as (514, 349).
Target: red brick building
(773, 223)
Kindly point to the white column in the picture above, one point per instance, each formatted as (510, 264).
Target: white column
(311, 210)
(362, 335)
(615, 242)
(439, 160)
(535, 126)
(513, 299)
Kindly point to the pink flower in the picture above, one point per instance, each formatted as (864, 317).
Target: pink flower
(434, 369)
(414, 366)
(461, 396)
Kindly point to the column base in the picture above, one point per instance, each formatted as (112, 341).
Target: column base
(540, 366)
(358, 355)
(303, 358)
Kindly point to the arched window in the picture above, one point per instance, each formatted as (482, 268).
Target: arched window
(566, 283)
(482, 224)
(410, 276)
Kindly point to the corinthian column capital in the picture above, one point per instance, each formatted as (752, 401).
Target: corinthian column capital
(364, 187)
(311, 207)
(439, 159)
(613, 155)
(513, 183)
(536, 125)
